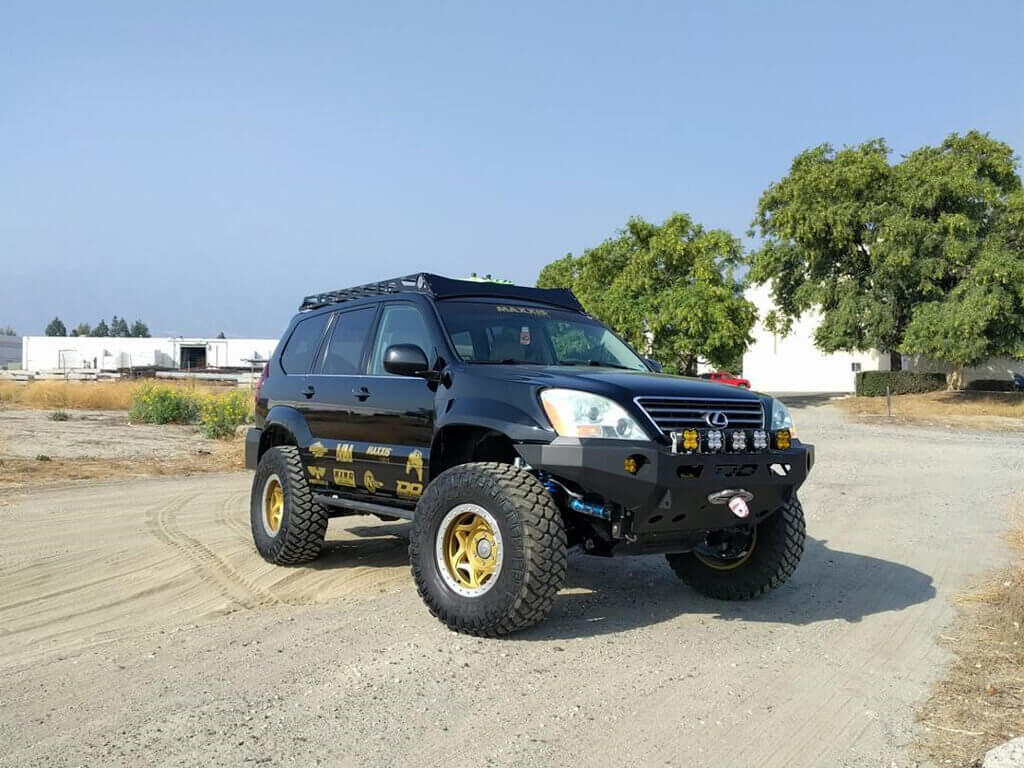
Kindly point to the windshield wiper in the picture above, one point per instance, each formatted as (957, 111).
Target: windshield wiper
(596, 364)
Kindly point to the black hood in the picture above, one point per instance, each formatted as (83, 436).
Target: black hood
(611, 382)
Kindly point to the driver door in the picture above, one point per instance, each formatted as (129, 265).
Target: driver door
(394, 415)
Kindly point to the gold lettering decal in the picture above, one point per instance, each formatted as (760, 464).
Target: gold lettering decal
(318, 450)
(344, 452)
(381, 452)
(316, 475)
(522, 310)
(370, 482)
(345, 477)
(415, 464)
(408, 490)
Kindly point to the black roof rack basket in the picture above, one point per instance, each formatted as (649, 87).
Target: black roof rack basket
(444, 287)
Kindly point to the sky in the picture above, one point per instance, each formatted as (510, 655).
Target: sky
(203, 166)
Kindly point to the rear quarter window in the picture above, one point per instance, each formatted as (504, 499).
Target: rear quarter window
(298, 352)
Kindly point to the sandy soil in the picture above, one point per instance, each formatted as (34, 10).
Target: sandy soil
(94, 445)
(140, 627)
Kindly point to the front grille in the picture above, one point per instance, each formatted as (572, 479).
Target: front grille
(671, 414)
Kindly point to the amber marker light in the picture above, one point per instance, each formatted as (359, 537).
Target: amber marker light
(782, 439)
(690, 442)
(630, 465)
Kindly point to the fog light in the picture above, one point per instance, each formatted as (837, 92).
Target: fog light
(739, 440)
(714, 440)
(760, 439)
(630, 465)
(690, 441)
(782, 439)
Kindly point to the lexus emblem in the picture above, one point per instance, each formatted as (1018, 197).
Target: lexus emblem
(716, 419)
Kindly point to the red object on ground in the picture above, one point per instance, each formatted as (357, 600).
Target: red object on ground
(724, 377)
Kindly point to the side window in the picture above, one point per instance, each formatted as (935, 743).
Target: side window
(463, 341)
(298, 352)
(399, 324)
(345, 349)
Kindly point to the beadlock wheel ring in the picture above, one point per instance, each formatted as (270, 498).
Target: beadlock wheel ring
(272, 505)
(468, 550)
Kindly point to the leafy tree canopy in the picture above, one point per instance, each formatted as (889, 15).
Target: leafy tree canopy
(82, 329)
(921, 256)
(55, 328)
(140, 329)
(119, 327)
(676, 276)
(100, 329)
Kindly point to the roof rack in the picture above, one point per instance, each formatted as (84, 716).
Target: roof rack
(443, 287)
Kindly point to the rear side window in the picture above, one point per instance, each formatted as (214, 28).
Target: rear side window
(345, 349)
(298, 352)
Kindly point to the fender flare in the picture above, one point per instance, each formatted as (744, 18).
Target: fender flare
(501, 417)
(290, 418)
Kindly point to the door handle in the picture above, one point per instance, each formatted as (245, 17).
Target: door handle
(309, 391)
(362, 393)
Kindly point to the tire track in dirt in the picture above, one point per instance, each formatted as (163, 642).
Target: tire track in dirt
(213, 570)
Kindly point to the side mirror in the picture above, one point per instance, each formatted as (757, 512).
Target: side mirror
(654, 365)
(405, 360)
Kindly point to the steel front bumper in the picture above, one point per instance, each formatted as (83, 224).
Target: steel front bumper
(668, 495)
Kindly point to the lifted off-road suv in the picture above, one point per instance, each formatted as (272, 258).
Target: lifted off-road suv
(509, 426)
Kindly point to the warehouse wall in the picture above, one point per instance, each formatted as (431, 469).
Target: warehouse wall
(49, 353)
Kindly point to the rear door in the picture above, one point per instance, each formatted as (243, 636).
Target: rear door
(337, 386)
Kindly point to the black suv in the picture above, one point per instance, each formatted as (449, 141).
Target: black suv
(508, 425)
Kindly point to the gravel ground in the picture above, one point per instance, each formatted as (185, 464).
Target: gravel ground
(28, 433)
(140, 627)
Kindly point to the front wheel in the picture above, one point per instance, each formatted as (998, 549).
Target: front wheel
(487, 549)
(743, 564)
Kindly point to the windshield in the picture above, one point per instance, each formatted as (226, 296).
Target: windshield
(514, 333)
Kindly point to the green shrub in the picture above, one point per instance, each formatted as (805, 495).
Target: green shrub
(221, 414)
(161, 404)
(59, 416)
(873, 383)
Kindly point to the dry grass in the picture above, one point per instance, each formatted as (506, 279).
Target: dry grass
(980, 703)
(75, 395)
(24, 473)
(979, 410)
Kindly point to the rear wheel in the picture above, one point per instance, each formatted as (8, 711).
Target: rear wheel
(744, 563)
(288, 526)
(487, 549)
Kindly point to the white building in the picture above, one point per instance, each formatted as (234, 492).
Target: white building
(111, 353)
(793, 364)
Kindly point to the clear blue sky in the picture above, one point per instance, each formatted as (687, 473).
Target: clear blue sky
(204, 165)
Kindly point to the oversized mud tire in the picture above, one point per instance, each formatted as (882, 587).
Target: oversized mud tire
(288, 526)
(487, 549)
(778, 546)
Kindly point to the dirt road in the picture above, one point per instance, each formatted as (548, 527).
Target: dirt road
(139, 627)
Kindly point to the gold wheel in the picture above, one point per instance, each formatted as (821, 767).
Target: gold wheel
(273, 505)
(728, 564)
(469, 550)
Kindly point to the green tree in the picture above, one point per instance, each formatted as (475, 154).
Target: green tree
(119, 327)
(221, 335)
(56, 328)
(677, 278)
(888, 252)
(140, 329)
(82, 329)
(100, 329)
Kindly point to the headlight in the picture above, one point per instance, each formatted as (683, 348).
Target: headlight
(580, 414)
(781, 418)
